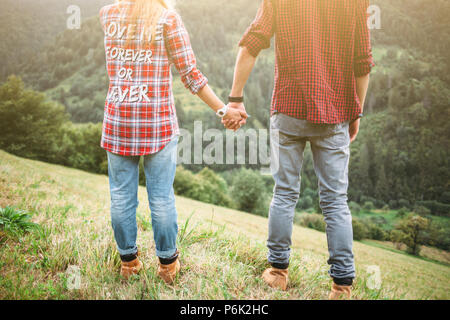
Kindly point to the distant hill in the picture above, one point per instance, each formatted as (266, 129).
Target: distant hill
(26, 26)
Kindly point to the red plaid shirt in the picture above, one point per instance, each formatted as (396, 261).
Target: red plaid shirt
(140, 116)
(321, 46)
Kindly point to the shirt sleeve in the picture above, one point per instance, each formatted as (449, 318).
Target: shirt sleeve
(363, 62)
(181, 54)
(258, 35)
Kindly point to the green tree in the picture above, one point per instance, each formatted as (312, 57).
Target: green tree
(29, 123)
(360, 230)
(78, 146)
(248, 190)
(206, 186)
(217, 186)
(410, 231)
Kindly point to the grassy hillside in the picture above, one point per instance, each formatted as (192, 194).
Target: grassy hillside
(223, 252)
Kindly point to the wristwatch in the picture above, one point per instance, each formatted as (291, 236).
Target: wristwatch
(222, 112)
(361, 115)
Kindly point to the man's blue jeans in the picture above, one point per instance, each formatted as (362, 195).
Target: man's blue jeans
(330, 145)
(160, 171)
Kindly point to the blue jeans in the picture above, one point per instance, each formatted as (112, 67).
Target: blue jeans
(330, 145)
(160, 171)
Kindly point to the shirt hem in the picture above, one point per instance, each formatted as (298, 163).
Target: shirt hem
(139, 154)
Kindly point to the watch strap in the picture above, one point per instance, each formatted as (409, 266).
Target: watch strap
(236, 99)
(360, 116)
(222, 112)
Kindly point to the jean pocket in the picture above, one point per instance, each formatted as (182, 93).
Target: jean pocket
(285, 139)
(274, 123)
(340, 136)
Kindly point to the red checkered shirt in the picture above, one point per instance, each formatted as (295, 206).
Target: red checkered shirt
(321, 46)
(140, 116)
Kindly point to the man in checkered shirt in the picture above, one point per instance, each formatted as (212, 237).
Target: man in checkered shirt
(323, 61)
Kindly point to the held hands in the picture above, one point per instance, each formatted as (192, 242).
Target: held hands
(236, 116)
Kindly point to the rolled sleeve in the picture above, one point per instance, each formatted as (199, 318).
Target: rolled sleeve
(363, 59)
(194, 81)
(182, 55)
(258, 35)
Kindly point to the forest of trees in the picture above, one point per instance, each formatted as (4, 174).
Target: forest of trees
(399, 161)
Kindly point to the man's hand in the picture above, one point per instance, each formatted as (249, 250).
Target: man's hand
(236, 117)
(231, 122)
(354, 130)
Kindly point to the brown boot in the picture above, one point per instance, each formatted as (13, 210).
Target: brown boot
(276, 278)
(169, 272)
(340, 292)
(130, 268)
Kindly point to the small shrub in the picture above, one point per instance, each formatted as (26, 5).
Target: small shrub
(437, 235)
(306, 202)
(312, 221)
(378, 220)
(445, 198)
(402, 203)
(309, 192)
(436, 207)
(365, 199)
(354, 208)
(368, 206)
(376, 232)
(422, 211)
(402, 212)
(360, 230)
(393, 204)
(249, 191)
(379, 204)
(184, 181)
(206, 186)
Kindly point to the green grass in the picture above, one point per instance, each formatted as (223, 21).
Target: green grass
(14, 223)
(222, 251)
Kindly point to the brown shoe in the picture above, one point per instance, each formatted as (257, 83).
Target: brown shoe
(276, 278)
(340, 292)
(169, 272)
(130, 268)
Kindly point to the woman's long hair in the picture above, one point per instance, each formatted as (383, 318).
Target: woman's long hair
(146, 13)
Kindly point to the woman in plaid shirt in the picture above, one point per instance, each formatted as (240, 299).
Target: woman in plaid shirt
(143, 38)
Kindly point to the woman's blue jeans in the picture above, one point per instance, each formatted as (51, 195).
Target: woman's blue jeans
(160, 171)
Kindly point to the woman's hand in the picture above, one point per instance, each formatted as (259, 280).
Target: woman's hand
(236, 117)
